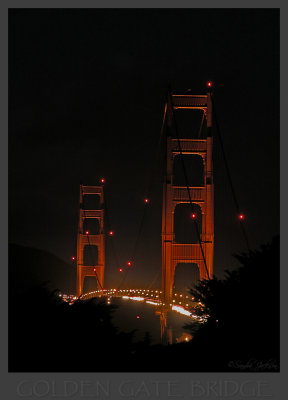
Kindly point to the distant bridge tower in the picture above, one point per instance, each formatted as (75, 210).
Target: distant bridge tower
(173, 252)
(85, 239)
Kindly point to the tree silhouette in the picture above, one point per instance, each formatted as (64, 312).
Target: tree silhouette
(243, 314)
(47, 334)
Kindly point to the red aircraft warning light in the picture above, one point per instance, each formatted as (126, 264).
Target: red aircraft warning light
(120, 269)
(111, 233)
(73, 258)
(209, 84)
(241, 216)
(129, 263)
(94, 269)
(138, 317)
(146, 200)
(193, 216)
(87, 232)
(102, 180)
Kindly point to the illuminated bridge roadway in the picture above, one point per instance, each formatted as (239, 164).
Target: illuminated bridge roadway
(181, 303)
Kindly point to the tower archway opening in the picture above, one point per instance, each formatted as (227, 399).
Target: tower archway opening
(194, 168)
(185, 229)
(91, 225)
(90, 255)
(190, 124)
(90, 284)
(91, 202)
(187, 276)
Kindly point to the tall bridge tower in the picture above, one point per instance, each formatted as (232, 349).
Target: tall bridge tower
(173, 252)
(85, 240)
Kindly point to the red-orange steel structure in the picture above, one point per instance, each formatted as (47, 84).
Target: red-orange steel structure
(84, 239)
(173, 252)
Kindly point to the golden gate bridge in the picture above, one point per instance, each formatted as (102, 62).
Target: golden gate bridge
(200, 199)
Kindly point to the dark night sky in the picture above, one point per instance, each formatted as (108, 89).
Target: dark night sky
(86, 98)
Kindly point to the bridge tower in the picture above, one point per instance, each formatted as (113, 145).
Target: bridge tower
(173, 252)
(84, 239)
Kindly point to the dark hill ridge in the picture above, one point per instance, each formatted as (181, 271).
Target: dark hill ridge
(29, 267)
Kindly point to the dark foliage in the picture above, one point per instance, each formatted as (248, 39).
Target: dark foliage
(47, 334)
(242, 331)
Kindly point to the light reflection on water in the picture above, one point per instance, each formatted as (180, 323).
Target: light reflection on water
(131, 315)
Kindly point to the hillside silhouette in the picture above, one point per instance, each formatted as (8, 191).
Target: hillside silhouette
(29, 267)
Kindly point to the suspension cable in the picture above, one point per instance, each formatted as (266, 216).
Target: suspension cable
(149, 189)
(155, 278)
(107, 218)
(229, 175)
(201, 125)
